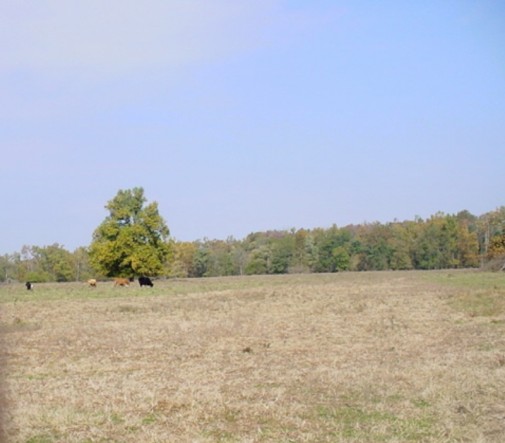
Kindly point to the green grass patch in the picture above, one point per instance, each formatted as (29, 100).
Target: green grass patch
(16, 292)
(484, 303)
(475, 293)
(470, 279)
(149, 419)
(363, 424)
(421, 403)
(41, 438)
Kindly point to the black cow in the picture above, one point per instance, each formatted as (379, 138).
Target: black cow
(145, 281)
(28, 285)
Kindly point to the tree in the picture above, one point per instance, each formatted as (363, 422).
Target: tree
(82, 267)
(281, 253)
(54, 263)
(239, 257)
(494, 236)
(7, 268)
(28, 265)
(258, 261)
(183, 259)
(402, 238)
(497, 246)
(468, 245)
(200, 261)
(220, 259)
(132, 240)
(437, 243)
(332, 246)
(300, 258)
(376, 247)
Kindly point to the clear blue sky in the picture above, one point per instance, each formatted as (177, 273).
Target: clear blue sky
(241, 116)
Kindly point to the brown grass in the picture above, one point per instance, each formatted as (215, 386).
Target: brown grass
(353, 357)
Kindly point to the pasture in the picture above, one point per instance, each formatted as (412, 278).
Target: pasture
(350, 357)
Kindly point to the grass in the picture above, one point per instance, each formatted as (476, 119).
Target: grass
(350, 357)
(477, 294)
(358, 424)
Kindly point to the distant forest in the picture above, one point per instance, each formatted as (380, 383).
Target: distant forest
(443, 241)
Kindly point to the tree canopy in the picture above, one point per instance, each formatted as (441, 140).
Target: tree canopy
(132, 240)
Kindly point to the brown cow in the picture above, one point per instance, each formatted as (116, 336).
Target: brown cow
(121, 282)
(92, 282)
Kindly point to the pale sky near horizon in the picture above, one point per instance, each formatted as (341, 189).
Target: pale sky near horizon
(239, 116)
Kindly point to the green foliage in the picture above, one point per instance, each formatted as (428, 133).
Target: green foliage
(497, 245)
(331, 250)
(377, 247)
(82, 266)
(220, 259)
(468, 245)
(437, 243)
(281, 253)
(41, 264)
(443, 241)
(341, 258)
(402, 244)
(200, 262)
(132, 240)
(183, 259)
(55, 262)
(7, 268)
(258, 261)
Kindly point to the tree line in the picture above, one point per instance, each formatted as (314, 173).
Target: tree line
(442, 241)
(134, 240)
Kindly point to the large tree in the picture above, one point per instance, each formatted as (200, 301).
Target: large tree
(132, 240)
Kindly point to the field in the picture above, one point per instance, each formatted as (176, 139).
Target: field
(349, 357)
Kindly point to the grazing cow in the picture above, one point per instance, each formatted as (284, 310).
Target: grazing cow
(121, 282)
(92, 282)
(29, 285)
(145, 281)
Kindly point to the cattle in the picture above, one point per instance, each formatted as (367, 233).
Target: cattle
(92, 283)
(145, 281)
(29, 285)
(121, 282)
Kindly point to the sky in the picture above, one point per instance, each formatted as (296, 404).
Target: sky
(238, 116)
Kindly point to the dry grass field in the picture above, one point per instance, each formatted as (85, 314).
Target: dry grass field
(350, 357)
